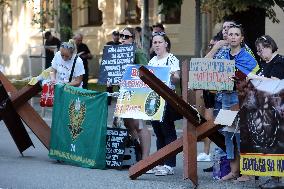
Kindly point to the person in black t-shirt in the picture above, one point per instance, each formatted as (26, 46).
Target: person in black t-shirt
(51, 45)
(115, 39)
(84, 53)
(273, 63)
(272, 67)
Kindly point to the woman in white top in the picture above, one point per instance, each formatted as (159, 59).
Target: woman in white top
(62, 64)
(165, 130)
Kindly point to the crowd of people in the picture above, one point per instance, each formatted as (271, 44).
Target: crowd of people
(70, 65)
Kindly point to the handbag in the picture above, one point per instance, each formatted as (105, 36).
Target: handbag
(47, 94)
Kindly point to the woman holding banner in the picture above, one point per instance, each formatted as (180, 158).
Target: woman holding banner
(272, 67)
(137, 128)
(165, 131)
(66, 66)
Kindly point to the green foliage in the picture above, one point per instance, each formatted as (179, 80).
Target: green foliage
(167, 5)
(41, 18)
(4, 2)
(229, 7)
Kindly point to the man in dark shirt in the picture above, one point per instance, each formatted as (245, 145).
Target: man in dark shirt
(115, 39)
(84, 53)
(52, 44)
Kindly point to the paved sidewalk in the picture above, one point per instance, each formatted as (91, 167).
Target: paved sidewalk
(36, 170)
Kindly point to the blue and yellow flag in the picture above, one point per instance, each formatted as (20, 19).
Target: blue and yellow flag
(79, 122)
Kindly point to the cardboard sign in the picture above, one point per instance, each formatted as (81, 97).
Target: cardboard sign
(114, 61)
(211, 74)
(115, 146)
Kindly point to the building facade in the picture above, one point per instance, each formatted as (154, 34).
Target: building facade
(21, 42)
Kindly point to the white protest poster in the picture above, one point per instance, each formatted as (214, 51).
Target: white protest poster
(211, 74)
(225, 117)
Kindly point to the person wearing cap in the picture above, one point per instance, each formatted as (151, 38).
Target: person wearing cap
(115, 39)
(51, 45)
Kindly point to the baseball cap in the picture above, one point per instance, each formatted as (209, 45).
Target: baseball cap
(159, 25)
(115, 33)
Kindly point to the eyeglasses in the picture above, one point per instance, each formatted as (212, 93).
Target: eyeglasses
(262, 38)
(158, 33)
(210, 46)
(236, 26)
(66, 45)
(125, 36)
(66, 57)
(259, 51)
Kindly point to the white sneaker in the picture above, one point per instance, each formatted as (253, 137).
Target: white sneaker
(164, 170)
(154, 170)
(204, 157)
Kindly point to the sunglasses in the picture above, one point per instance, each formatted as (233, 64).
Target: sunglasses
(262, 38)
(158, 33)
(125, 36)
(66, 45)
(210, 46)
(236, 26)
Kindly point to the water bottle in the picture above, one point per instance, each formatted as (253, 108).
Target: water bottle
(216, 164)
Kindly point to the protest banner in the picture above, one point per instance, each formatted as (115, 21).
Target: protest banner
(114, 61)
(261, 122)
(79, 123)
(115, 147)
(136, 100)
(211, 74)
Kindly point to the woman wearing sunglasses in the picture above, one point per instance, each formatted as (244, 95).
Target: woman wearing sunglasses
(137, 128)
(165, 131)
(66, 66)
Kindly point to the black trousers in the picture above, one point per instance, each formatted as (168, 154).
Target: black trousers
(166, 133)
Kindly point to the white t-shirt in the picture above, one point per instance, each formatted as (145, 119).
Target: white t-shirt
(169, 60)
(63, 68)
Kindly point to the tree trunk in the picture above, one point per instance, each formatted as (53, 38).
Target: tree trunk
(197, 28)
(145, 27)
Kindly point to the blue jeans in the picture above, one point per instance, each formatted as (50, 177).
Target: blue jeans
(229, 99)
(230, 144)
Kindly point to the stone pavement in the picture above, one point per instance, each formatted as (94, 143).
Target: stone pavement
(36, 170)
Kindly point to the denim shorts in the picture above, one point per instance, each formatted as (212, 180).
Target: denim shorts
(230, 144)
(229, 99)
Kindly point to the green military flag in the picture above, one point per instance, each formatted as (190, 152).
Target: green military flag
(78, 131)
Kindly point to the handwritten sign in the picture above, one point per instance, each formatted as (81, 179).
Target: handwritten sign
(114, 61)
(115, 147)
(211, 74)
